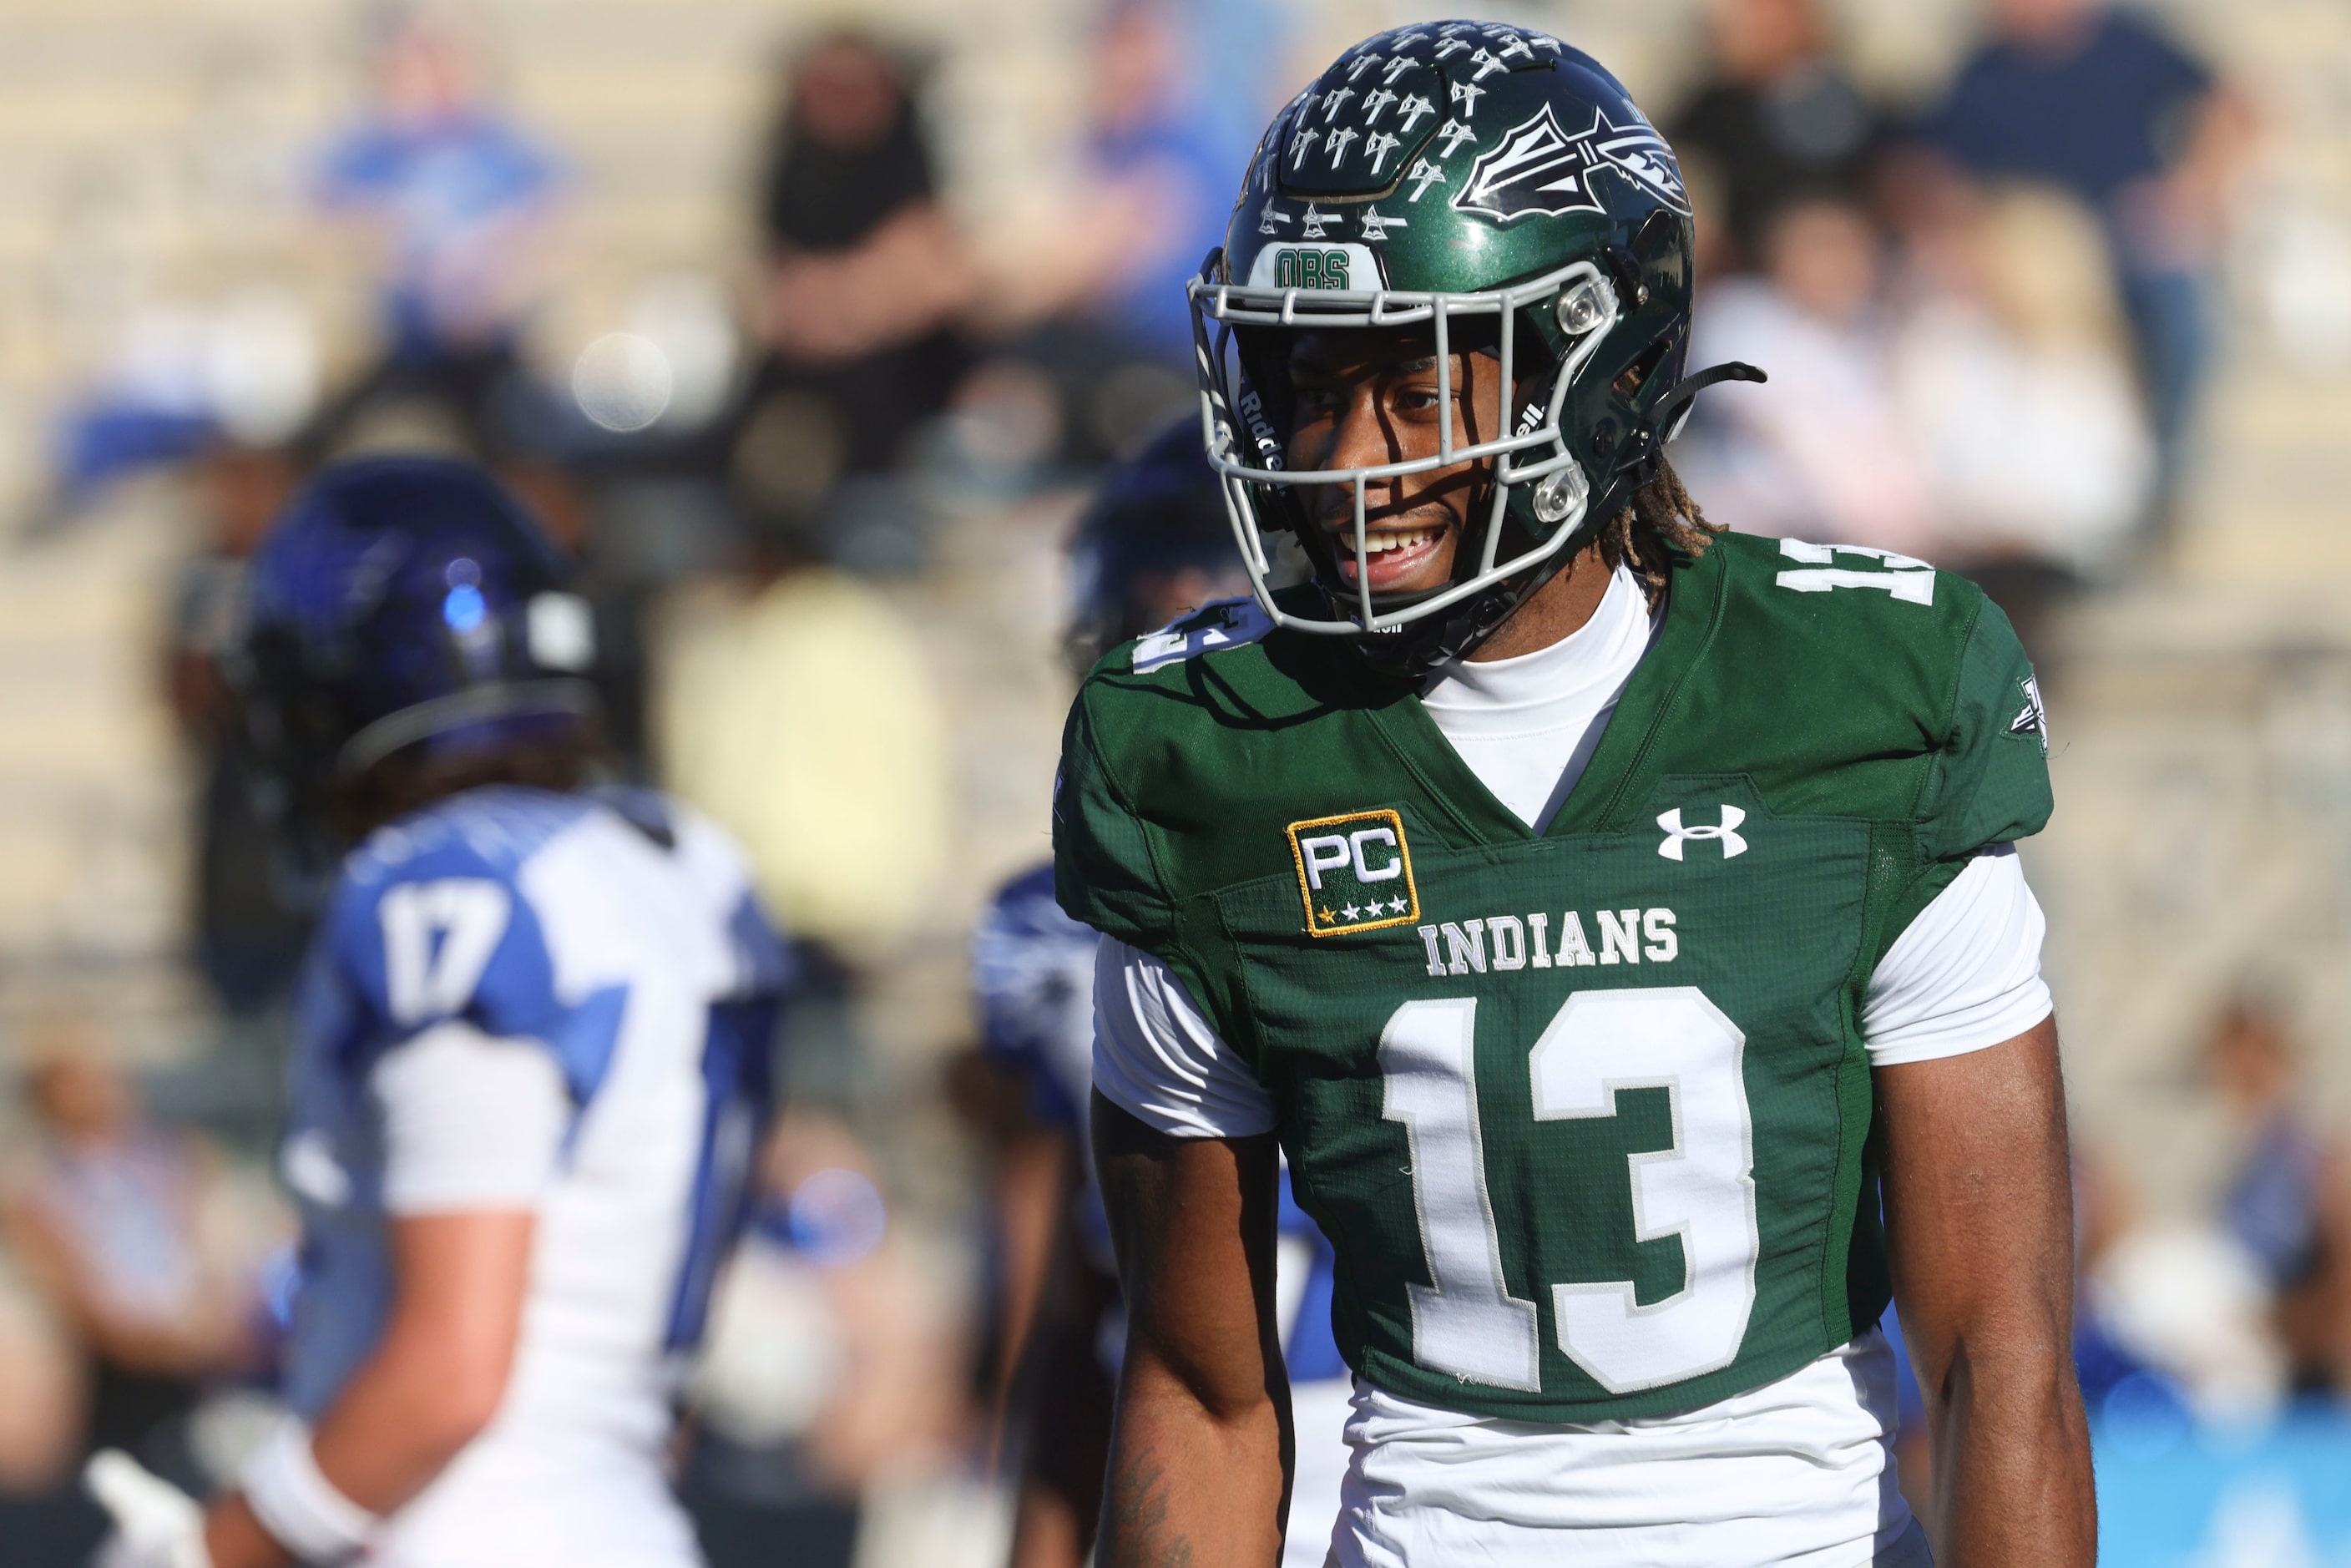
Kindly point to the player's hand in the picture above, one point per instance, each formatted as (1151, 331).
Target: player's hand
(156, 1525)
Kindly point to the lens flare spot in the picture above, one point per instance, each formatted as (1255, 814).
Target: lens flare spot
(463, 608)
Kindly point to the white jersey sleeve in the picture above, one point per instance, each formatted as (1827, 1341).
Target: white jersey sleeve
(1159, 1060)
(1965, 975)
(470, 1121)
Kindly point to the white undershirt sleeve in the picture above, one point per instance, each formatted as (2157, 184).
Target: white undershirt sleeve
(1159, 1060)
(470, 1121)
(1965, 974)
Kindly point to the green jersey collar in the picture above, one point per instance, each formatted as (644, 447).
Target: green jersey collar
(1693, 608)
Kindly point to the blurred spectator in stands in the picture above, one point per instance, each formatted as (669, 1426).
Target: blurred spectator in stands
(2011, 371)
(454, 200)
(45, 1516)
(2289, 1203)
(2100, 101)
(796, 705)
(182, 383)
(1819, 453)
(109, 1215)
(865, 269)
(1777, 119)
(1104, 303)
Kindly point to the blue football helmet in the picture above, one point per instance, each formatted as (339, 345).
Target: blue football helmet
(400, 603)
(1158, 519)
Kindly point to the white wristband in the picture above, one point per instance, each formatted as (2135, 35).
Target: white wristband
(297, 1505)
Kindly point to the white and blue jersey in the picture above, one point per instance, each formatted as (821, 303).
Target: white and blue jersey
(1033, 967)
(564, 1003)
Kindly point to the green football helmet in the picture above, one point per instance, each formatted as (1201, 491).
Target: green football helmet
(1500, 188)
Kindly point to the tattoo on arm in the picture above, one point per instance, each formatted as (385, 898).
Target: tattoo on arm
(1141, 1537)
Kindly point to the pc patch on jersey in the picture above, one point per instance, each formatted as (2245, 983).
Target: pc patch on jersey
(1354, 873)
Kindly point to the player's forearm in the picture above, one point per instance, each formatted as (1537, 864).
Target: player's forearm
(2012, 1450)
(1189, 1484)
(1980, 1223)
(406, 1414)
(401, 1421)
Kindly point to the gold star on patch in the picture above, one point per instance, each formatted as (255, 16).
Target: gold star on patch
(1327, 916)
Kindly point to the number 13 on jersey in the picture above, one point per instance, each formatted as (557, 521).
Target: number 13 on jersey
(1702, 1189)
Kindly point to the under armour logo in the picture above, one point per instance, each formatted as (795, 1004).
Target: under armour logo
(1726, 831)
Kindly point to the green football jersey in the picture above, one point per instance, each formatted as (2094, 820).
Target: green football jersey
(1584, 1113)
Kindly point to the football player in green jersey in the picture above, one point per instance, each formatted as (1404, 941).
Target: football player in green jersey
(1610, 917)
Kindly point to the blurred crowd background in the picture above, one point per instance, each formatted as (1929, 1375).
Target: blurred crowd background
(810, 328)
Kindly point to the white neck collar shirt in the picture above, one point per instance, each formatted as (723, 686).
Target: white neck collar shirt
(1528, 726)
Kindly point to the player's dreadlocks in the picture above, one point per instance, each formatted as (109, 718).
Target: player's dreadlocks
(1663, 520)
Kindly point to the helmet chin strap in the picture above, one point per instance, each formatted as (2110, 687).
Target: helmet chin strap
(1411, 653)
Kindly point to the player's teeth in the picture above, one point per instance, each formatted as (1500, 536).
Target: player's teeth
(1380, 544)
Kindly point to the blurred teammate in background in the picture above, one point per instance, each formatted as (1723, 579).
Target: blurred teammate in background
(1154, 546)
(531, 1064)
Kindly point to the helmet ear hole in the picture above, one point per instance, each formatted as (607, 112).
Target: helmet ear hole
(1632, 377)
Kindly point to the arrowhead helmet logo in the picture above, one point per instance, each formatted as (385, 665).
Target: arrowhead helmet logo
(1726, 831)
(1538, 168)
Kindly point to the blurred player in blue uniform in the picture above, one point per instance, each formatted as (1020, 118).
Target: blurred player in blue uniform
(1153, 545)
(531, 1066)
